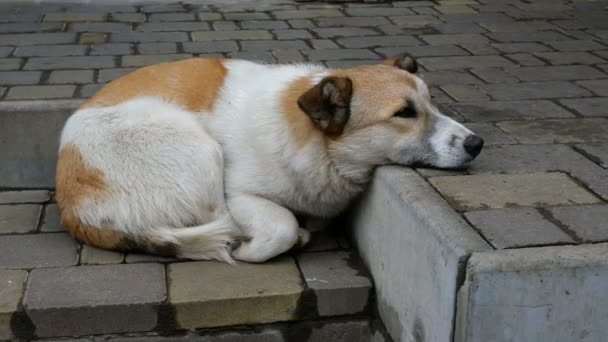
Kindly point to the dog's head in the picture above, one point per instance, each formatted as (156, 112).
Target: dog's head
(382, 114)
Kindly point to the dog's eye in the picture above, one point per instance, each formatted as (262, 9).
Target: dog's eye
(406, 112)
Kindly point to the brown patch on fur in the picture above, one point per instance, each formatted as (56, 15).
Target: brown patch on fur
(193, 84)
(301, 128)
(211, 208)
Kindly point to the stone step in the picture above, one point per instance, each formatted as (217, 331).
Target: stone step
(53, 287)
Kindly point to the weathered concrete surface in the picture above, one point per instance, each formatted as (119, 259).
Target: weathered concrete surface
(535, 294)
(415, 247)
(12, 283)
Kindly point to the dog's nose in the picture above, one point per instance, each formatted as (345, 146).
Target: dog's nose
(473, 144)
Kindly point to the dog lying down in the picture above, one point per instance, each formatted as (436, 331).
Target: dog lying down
(211, 158)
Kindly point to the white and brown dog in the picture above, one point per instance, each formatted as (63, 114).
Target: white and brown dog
(186, 158)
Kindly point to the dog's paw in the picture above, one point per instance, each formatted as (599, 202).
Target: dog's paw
(303, 238)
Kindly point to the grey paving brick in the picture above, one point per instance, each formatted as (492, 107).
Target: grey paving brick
(225, 25)
(437, 78)
(89, 90)
(19, 77)
(7, 17)
(352, 22)
(323, 44)
(459, 28)
(22, 218)
(339, 288)
(575, 45)
(242, 16)
(516, 227)
(209, 16)
(24, 196)
(534, 90)
(346, 63)
(264, 24)
(525, 59)
(111, 49)
(10, 63)
(173, 26)
(301, 23)
(307, 13)
(335, 32)
(554, 73)
(476, 18)
(134, 258)
(38, 250)
(508, 110)
(476, 192)
(415, 21)
(84, 62)
(37, 38)
(480, 49)
(377, 11)
(128, 17)
(288, 56)
(106, 75)
(141, 60)
(92, 38)
(5, 51)
(292, 34)
(50, 50)
(490, 134)
(51, 221)
(30, 27)
(231, 35)
(73, 16)
(371, 41)
(256, 55)
(462, 62)
(71, 76)
(557, 130)
(560, 58)
(596, 152)
(457, 38)
(40, 92)
(96, 256)
(413, 3)
(148, 37)
(599, 87)
(494, 75)
(454, 9)
(337, 54)
(273, 44)
(156, 48)
(172, 17)
(229, 295)
(461, 92)
(12, 283)
(587, 222)
(87, 300)
(540, 36)
(424, 51)
(527, 26)
(210, 47)
(520, 47)
(99, 27)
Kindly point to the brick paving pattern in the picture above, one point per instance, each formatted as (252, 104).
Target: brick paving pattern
(530, 77)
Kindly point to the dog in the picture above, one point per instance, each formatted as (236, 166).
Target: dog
(212, 158)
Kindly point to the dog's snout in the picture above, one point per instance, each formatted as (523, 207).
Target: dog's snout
(473, 144)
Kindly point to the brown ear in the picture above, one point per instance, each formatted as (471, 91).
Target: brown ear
(328, 103)
(403, 61)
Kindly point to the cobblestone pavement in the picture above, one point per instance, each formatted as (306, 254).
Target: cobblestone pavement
(531, 77)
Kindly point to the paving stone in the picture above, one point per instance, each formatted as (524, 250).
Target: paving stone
(128, 17)
(339, 288)
(506, 191)
(24, 196)
(111, 49)
(20, 17)
(12, 283)
(40, 92)
(83, 62)
(288, 56)
(490, 134)
(541, 36)
(534, 90)
(96, 256)
(134, 258)
(231, 35)
(72, 16)
(158, 8)
(209, 16)
(336, 32)
(30, 27)
(352, 22)
(292, 34)
(377, 11)
(141, 60)
(575, 45)
(596, 152)
(480, 49)
(246, 16)
(21, 218)
(273, 44)
(520, 47)
(173, 26)
(460, 92)
(454, 9)
(301, 23)
(106, 75)
(371, 41)
(263, 24)
(555, 73)
(10, 63)
(234, 295)
(210, 47)
(529, 26)
(587, 222)
(99, 27)
(461, 38)
(494, 75)
(149, 37)
(89, 90)
(599, 87)
(88, 300)
(516, 227)
(463, 62)
(156, 48)
(71, 76)
(51, 221)
(92, 38)
(588, 106)
(557, 131)
(225, 25)
(559, 58)
(507, 110)
(50, 50)
(172, 17)
(424, 51)
(307, 14)
(256, 56)
(37, 38)
(19, 77)
(525, 59)
(338, 54)
(416, 21)
(6, 50)
(476, 18)
(460, 28)
(322, 44)
(38, 250)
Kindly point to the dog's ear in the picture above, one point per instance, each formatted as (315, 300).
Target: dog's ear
(403, 61)
(328, 103)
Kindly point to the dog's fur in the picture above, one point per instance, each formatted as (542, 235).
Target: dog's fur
(187, 158)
